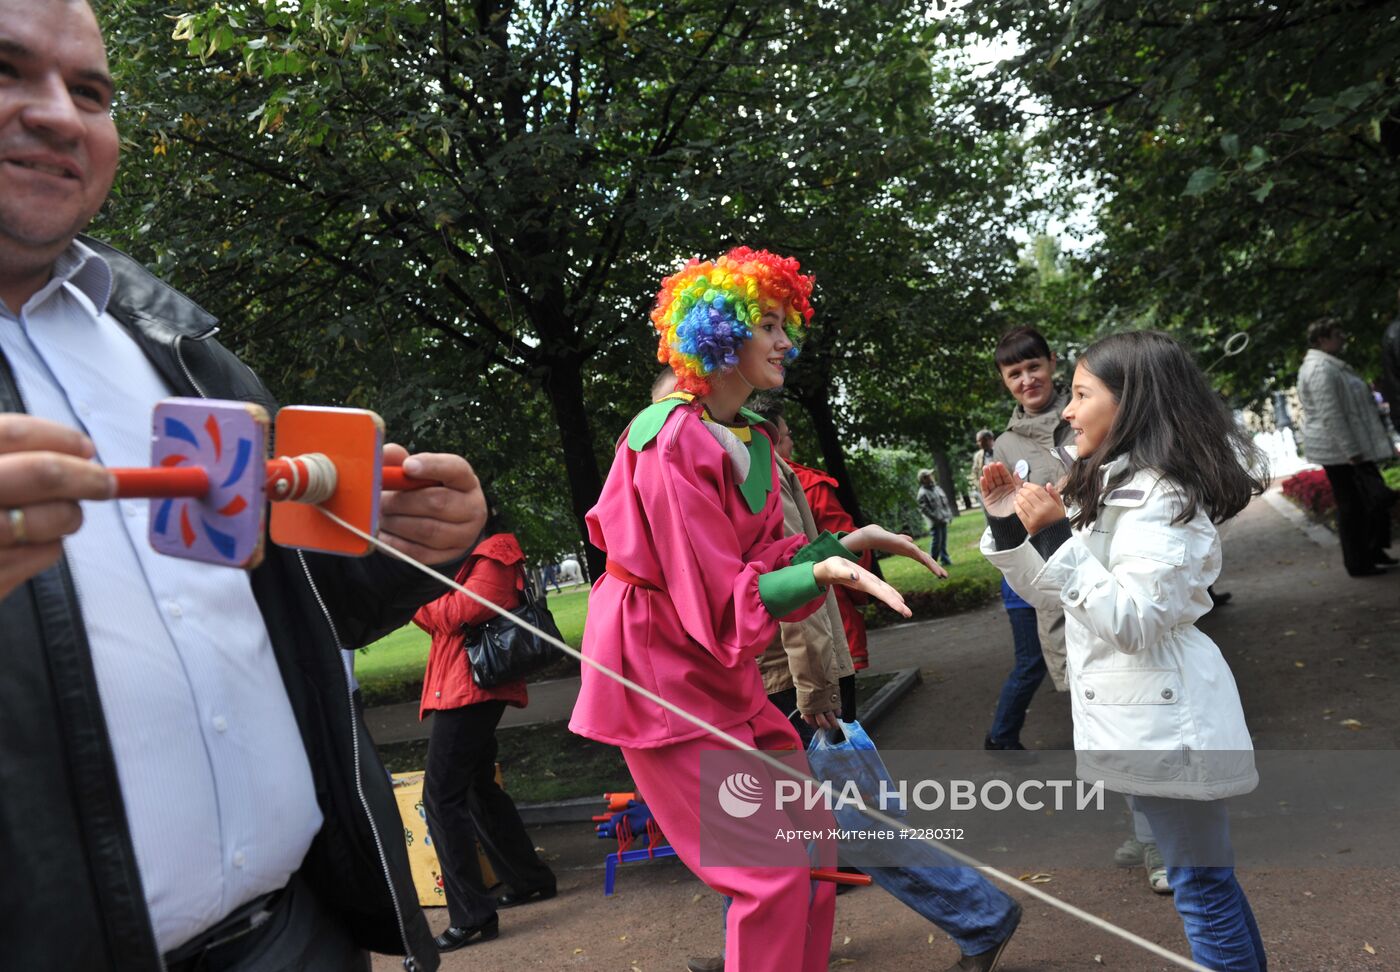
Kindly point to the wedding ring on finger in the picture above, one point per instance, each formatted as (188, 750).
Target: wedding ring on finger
(18, 532)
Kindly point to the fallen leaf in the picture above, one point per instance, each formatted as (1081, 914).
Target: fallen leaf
(1098, 959)
(930, 939)
(622, 938)
(696, 898)
(844, 961)
(1328, 711)
(578, 951)
(1290, 633)
(1366, 946)
(1298, 664)
(1351, 724)
(1307, 894)
(847, 941)
(1037, 878)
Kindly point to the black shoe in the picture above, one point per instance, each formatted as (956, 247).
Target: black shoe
(988, 961)
(1218, 599)
(1012, 752)
(1381, 558)
(1367, 572)
(455, 938)
(513, 900)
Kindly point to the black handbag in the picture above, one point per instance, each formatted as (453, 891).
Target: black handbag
(502, 651)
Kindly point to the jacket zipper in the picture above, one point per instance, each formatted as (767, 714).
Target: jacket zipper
(409, 963)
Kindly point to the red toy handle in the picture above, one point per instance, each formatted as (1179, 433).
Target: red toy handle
(193, 481)
(159, 483)
(395, 479)
(840, 877)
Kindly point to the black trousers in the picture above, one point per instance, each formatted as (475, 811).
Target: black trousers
(463, 804)
(1363, 523)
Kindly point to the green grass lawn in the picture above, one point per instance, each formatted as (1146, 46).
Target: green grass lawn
(391, 669)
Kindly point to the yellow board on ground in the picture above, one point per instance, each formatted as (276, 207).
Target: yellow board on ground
(422, 858)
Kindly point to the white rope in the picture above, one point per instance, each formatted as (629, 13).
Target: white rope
(777, 764)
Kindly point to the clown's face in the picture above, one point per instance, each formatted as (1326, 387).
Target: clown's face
(763, 357)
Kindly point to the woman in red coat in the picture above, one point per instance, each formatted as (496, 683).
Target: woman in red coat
(460, 795)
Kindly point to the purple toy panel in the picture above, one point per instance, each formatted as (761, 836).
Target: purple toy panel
(229, 440)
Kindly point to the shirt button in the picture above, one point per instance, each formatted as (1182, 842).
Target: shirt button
(437, 695)
(220, 724)
(1166, 693)
(174, 609)
(1088, 693)
(239, 859)
(1073, 594)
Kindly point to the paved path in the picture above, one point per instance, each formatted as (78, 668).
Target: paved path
(1309, 647)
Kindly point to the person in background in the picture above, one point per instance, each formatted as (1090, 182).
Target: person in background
(980, 457)
(1034, 441)
(461, 798)
(933, 504)
(1390, 367)
(1342, 433)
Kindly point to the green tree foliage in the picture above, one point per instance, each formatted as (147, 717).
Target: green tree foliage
(457, 213)
(1244, 155)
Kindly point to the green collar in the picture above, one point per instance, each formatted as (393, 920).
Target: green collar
(759, 482)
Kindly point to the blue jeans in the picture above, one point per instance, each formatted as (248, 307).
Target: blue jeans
(1194, 838)
(1025, 678)
(938, 543)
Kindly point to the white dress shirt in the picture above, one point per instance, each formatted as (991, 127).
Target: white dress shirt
(217, 786)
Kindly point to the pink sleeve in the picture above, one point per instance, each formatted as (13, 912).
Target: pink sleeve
(711, 579)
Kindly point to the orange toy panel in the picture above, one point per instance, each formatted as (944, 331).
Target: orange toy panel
(353, 439)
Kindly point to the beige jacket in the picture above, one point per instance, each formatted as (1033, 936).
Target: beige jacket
(1040, 440)
(811, 654)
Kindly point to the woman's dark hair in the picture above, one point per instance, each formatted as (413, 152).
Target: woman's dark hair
(1322, 329)
(1020, 344)
(1169, 420)
(496, 520)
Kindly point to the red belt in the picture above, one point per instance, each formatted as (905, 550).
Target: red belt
(627, 577)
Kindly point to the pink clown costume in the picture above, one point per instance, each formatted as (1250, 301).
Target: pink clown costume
(699, 576)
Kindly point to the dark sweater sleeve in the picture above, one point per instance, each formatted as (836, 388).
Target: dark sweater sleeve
(1007, 531)
(1047, 541)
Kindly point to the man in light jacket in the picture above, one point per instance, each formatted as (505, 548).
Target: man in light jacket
(1343, 433)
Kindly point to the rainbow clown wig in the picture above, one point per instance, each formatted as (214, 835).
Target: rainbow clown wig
(706, 311)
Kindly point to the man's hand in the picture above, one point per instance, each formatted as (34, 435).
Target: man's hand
(822, 720)
(436, 524)
(45, 469)
(876, 537)
(1038, 507)
(999, 486)
(839, 570)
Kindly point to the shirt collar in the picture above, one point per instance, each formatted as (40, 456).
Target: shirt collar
(83, 269)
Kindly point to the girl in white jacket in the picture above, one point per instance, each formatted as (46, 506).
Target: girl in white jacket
(1156, 713)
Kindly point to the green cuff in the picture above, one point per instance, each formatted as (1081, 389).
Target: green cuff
(826, 545)
(786, 589)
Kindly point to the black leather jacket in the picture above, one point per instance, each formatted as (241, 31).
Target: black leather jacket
(70, 893)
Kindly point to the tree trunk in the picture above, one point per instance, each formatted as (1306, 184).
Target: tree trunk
(833, 453)
(945, 476)
(564, 386)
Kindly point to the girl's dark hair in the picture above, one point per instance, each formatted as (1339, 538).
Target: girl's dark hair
(496, 519)
(1020, 344)
(1169, 420)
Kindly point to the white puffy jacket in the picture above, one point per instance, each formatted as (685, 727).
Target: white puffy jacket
(1156, 710)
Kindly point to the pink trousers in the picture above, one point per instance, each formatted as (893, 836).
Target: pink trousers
(780, 920)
